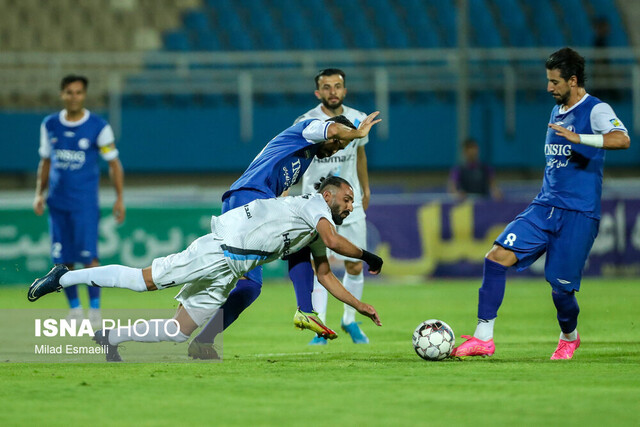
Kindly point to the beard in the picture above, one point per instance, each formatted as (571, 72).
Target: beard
(336, 215)
(564, 98)
(331, 106)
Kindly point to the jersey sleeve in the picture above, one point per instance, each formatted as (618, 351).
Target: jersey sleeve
(45, 144)
(316, 131)
(314, 210)
(604, 120)
(108, 151)
(318, 247)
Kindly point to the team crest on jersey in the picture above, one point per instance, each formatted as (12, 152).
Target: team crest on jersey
(617, 123)
(83, 143)
(569, 127)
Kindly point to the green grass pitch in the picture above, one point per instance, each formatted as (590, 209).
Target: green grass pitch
(270, 376)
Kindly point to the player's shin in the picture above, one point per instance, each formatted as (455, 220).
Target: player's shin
(354, 283)
(320, 298)
(301, 274)
(490, 298)
(154, 330)
(109, 276)
(568, 310)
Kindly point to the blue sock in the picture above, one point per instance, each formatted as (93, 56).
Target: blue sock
(72, 296)
(94, 297)
(491, 293)
(301, 274)
(241, 297)
(568, 309)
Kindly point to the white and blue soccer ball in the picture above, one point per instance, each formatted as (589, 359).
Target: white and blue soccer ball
(433, 340)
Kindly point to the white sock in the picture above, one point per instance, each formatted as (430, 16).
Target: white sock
(354, 284)
(319, 298)
(108, 276)
(484, 330)
(155, 330)
(572, 336)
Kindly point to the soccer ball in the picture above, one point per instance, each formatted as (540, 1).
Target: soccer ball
(433, 339)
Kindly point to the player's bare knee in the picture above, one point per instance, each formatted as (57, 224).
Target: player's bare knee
(353, 268)
(501, 256)
(148, 279)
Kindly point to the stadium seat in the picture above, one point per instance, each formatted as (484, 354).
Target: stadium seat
(607, 9)
(176, 40)
(483, 25)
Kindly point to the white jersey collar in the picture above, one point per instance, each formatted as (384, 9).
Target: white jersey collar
(64, 121)
(561, 111)
(321, 113)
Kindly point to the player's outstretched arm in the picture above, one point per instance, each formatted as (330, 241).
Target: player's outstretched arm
(335, 288)
(345, 133)
(343, 246)
(42, 182)
(615, 140)
(117, 177)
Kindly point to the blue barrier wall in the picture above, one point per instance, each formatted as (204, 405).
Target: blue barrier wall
(422, 136)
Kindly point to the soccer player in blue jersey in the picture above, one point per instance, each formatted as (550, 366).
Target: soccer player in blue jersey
(563, 219)
(279, 165)
(70, 142)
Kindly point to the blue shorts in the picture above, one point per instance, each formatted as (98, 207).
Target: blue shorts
(74, 235)
(566, 236)
(239, 198)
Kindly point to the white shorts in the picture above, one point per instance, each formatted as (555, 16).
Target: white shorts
(356, 232)
(203, 270)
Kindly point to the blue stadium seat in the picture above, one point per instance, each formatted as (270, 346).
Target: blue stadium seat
(547, 25)
(607, 9)
(206, 40)
(484, 28)
(576, 19)
(513, 19)
(176, 40)
(445, 12)
(196, 20)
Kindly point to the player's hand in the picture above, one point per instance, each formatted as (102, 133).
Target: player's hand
(38, 205)
(370, 312)
(119, 211)
(367, 123)
(373, 261)
(565, 133)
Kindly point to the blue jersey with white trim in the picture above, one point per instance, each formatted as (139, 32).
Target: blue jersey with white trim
(73, 150)
(573, 172)
(283, 161)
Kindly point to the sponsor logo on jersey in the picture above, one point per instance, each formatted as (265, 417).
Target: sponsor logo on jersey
(557, 150)
(83, 143)
(69, 159)
(286, 244)
(336, 159)
(69, 134)
(617, 123)
(291, 178)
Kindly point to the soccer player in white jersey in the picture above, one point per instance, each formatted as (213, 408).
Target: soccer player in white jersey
(350, 164)
(562, 221)
(70, 143)
(240, 240)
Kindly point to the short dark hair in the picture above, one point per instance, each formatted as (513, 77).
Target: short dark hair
(330, 72)
(68, 79)
(342, 120)
(569, 62)
(330, 181)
